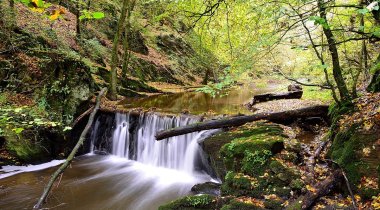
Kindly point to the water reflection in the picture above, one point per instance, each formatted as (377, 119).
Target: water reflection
(228, 102)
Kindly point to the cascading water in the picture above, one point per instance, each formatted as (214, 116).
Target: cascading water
(138, 143)
(133, 172)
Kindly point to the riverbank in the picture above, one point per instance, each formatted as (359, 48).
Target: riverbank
(269, 166)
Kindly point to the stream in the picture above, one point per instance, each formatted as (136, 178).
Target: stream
(125, 167)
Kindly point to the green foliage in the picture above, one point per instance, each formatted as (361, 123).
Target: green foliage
(200, 200)
(21, 118)
(253, 162)
(94, 49)
(239, 205)
(88, 15)
(215, 89)
(320, 21)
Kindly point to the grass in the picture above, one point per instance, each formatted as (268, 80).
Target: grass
(316, 93)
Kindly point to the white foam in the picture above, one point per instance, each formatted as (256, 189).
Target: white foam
(7, 171)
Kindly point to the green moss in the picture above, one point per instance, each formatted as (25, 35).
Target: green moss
(296, 205)
(297, 184)
(191, 202)
(238, 205)
(255, 163)
(251, 146)
(346, 149)
(273, 204)
(283, 172)
(237, 184)
(22, 147)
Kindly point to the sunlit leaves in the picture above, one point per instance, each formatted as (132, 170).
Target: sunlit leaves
(363, 11)
(87, 15)
(376, 32)
(20, 118)
(18, 130)
(319, 21)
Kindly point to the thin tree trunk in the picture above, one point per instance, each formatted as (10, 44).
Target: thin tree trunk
(62, 168)
(337, 71)
(290, 115)
(115, 59)
(319, 55)
(374, 85)
(127, 55)
(78, 20)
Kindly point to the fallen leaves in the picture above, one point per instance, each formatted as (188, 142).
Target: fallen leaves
(376, 202)
(367, 113)
(57, 13)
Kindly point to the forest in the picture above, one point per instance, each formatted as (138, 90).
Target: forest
(189, 104)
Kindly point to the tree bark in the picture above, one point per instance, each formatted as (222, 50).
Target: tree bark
(337, 71)
(62, 168)
(285, 116)
(115, 44)
(77, 15)
(374, 85)
(276, 96)
(127, 31)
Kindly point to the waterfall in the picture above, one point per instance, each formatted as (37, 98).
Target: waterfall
(133, 138)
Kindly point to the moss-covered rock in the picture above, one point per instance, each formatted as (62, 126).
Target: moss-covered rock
(353, 150)
(191, 203)
(34, 145)
(256, 145)
(240, 205)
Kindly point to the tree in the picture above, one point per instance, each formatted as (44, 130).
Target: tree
(337, 71)
(115, 44)
(127, 33)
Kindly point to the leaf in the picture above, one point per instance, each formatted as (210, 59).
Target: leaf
(57, 13)
(376, 33)
(82, 17)
(319, 21)
(67, 128)
(363, 11)
(98, 15)
(18, 130)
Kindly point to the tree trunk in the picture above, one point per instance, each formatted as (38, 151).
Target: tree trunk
(62, 168)
(276, 96)
(77, 19)
(115, 44)
(374, 85)
(127, 31)
(337, 71)
(285, 116)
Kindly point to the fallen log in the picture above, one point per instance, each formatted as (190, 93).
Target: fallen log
(319, 190)
(276, 96)
(291, 115)
(82, 137)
